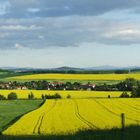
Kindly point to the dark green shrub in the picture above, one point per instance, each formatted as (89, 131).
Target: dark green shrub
(108, 96)
(68, 96)
(124, 95)
(2, 97)
(12, 96)
(55, 96)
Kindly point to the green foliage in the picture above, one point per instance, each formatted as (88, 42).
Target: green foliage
(12, 96)
(136, 92)
(121, 71)
(68, 96)
(2, 97)
(128, 85)
(124, 95)
(55, 96)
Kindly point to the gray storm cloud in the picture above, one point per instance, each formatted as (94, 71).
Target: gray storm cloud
(56, 8)
(64, 23)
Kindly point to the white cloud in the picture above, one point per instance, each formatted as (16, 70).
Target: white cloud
(120, 32)
(19, 27)
(18, 46)
(33, 10)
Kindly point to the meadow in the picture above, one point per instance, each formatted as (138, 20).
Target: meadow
(98, 77)
(67, 116)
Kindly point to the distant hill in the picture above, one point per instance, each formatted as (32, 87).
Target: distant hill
(66, 68)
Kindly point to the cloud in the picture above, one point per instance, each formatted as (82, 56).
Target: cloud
(18, 46)
(57, 8)
(4, 7)
(19, 27)
(33, 10)
(67, 31)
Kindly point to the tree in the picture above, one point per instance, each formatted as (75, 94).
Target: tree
(136, 92)
(68, 96)
(128, 85)
(2, 97)
(31, 96)
(43, 97)
(12, 96)
(124, 95)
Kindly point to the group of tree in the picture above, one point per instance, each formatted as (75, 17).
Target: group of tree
(11, 96)
(48, 96)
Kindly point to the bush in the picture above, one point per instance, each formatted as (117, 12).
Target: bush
(2, 97)
(108, 96)
(12, 96)
(124, 95)
(68, 96)
(55, 96)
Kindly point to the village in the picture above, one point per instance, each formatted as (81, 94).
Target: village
(44, 85)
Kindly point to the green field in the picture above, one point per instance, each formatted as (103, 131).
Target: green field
(10, 110)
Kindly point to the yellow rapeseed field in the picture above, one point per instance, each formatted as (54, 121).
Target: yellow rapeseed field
(77, 77)
(70, 115)
(23, 94)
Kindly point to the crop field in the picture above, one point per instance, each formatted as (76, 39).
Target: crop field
(23, 94)
(67, 116)
(100, 77)
(9, 110)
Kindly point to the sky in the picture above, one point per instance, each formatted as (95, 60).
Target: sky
(76, 33)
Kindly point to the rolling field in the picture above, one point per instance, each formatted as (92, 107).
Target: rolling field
(68, 116)
(23, 94)
(100, 77)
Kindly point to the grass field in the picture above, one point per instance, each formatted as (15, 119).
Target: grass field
(67, 116)
(100, 77)
(23, 94)
(9, 110)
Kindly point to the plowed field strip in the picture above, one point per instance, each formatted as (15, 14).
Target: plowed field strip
(80, 117)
